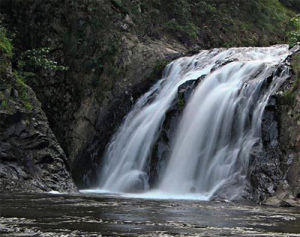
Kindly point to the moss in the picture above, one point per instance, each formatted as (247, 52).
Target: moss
(6, 51)
(28, 106)
(23, 92)
(4, 104)
(6, 48)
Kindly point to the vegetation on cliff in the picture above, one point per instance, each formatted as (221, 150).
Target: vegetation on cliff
(5, 45)
(5, 51)
(211, 23)
(294, 35)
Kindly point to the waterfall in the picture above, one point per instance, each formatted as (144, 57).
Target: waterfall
(218, 127)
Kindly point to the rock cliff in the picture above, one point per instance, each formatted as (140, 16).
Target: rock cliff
(289, 137)
(31, 158)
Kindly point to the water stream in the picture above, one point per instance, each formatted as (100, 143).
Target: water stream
(47, 215)
(218, 128)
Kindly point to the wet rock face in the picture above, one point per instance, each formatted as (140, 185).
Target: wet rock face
(265, 173)
(162, 147)
(30, 156)
(110, 113)
(289, 130)
(275, 167)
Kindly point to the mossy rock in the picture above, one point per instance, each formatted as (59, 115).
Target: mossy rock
(6, 51)
(289, 97)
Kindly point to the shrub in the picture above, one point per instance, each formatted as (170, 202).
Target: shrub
(294, 36)
(39, 58)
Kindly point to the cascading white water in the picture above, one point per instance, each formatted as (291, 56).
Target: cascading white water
(219, 125)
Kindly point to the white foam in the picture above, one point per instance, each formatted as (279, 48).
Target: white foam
(154, 194)
(55, 192)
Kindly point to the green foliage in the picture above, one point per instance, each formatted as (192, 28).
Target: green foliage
(294, 36)
(213, 23)
(3, 101)
(189, 30)
(31, 60)
(28, 106)
(39, 58)
(4, 104)
(5, 45)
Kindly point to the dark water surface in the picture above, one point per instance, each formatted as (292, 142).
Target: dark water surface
(95, 215)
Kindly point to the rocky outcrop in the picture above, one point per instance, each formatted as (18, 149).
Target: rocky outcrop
(30, 157)
(96, 129)
(275, 167)
(265, 173)
(288, 193)
(290, 127)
